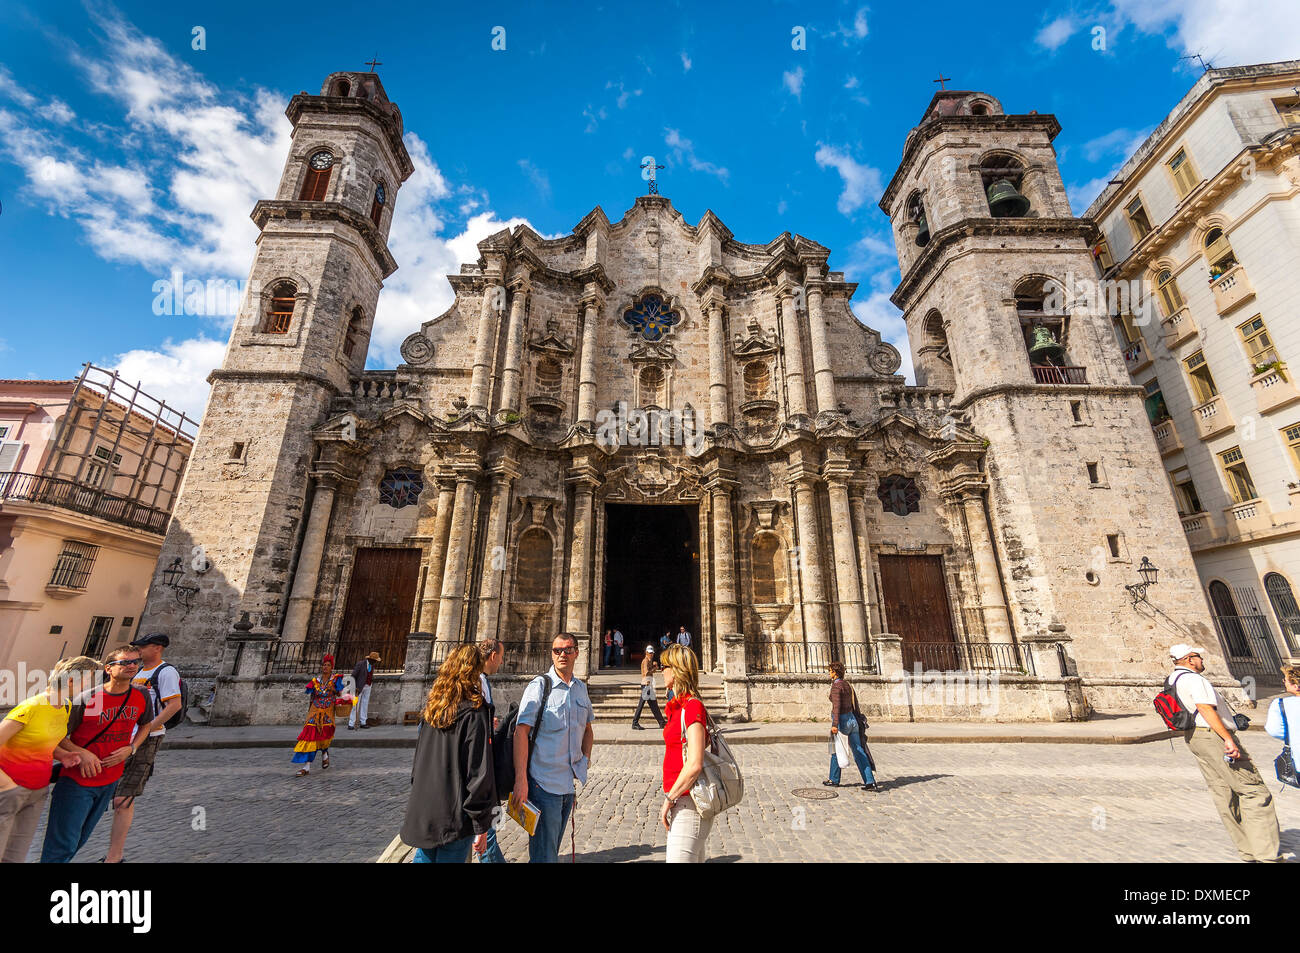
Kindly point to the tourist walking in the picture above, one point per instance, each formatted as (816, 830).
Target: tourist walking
(607, 660)
(649, 666)
(31, 735)
(162, 682)
(685, 734)
(453, 793)
(101, 725)
(619, 659)
(363, 675)
(318, 733)
(847, 721)
(1245, 804)
(1284, 712)
(559, 705)
(666, 641)
(493, 653)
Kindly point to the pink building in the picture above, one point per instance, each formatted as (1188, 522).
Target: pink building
(89, 471)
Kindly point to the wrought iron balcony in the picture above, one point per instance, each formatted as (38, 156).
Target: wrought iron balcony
(88, 500)
(1051, 374)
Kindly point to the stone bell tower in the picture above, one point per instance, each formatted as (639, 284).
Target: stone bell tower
(992, 263)
(301, 335)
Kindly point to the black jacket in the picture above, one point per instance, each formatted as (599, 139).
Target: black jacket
(453, 792)
(359, 674)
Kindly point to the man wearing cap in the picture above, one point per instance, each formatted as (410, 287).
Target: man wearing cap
(161, 682)
(362, 675)
(1239, 793)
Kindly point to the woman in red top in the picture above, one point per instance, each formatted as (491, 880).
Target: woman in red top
(688, 832)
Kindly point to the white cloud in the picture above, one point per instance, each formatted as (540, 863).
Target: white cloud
(1225, 32)
(860, 24)
(861, 182)
(851, 83)
(1081, 195)
(594, 116)
(877, 312)
(624, 94)
(855, 31)
(1054, 34)
(686, 62)
(794, 82)
(1119, 142)
(535, 175)
(683, 150)
(781, 206)
(176, 373)
(56, 110)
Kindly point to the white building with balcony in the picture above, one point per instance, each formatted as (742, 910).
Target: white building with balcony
(1206, 216)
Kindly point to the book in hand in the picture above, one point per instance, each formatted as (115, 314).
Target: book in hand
(525, 816)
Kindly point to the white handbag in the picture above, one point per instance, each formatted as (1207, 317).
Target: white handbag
(843, 754)
(720, 785)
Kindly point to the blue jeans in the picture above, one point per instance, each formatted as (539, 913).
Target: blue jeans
(75, 809)
(492, 853)
(849, 729)
(607, 659)
(544, 845)
(457, 852)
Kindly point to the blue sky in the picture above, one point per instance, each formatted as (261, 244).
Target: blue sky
(126, 154)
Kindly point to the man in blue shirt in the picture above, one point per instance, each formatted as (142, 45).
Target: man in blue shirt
(562, 749)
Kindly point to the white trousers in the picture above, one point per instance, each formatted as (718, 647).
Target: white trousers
(363, 703)
(688, 833)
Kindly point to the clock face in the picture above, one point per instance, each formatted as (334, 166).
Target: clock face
(379, 193)
(322, 160)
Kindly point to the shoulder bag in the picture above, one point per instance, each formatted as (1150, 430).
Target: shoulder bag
(720, 785)
(1284, 764)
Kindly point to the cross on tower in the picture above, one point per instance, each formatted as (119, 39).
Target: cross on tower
(649, 165)
(941, 80)
(374, 62)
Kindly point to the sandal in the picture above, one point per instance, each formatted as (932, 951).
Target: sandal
(302, 774)
(325, 764)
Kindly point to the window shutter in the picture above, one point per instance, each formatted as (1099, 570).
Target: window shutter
(9, 451)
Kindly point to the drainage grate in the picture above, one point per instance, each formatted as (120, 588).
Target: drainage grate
(814, 794)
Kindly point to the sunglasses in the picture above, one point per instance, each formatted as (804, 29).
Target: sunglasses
(565, 651)
(125, 661)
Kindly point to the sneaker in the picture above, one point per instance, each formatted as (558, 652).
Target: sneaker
(873, 788)
(831, 784)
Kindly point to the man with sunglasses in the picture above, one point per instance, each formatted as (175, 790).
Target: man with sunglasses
(1243, 800)
(561, 750)
(101, 725)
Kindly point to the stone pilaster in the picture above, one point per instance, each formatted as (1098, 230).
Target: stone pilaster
(514, 348)
(504, 472)
(858, 510)
(584, 479)
(993, 604)
(437, 553)
(451, 607)
(303, 596)
(796, 399)
(847, 587)
(720, 485)
(481, 374)
(812, 585)
(591, 310)
(889, 651)
(718, 362)
(823, 376)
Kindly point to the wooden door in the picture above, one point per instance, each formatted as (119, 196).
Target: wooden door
(381, 597)
(916, 608)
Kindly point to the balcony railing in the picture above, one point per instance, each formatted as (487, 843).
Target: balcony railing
(1051, 374)
(806, 658)
(1231, 289)
(1136, 356)
(69, 495)
(1212, 417)
(1274, 388)
(1167, 439)
(1179, 328)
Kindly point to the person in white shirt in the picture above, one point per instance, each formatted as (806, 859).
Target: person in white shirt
(618, 648)
(1273, 724)
(683, 637)
(1244, 802)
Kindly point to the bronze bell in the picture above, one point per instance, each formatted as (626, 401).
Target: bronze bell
(1045, 349)
(923, 230)
(1005, 201)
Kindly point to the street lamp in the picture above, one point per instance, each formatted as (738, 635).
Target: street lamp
(172, 579)
(1147, 572)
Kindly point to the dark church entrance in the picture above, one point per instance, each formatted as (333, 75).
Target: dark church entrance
(652, 574)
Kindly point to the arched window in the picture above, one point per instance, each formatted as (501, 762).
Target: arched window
(654, 389)
(1230, 624)
(916, 214)
(353, 333)
(1040, 306)
(1218, 253)
(279, 313)
(317, 181)
(758, 380)
(533, 567)
(934, 337)
(767, 559)
(1284, 604)
(401, 487)
(899, 494)
(1171, 299)
(377, 206)
(342, 88)
(1003, 177)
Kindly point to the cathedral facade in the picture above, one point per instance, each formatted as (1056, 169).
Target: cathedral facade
(649, 425)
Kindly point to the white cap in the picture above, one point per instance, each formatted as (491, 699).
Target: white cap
(650, 649)
(1182, 650)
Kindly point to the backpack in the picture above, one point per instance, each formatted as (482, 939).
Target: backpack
(1171, 709)
(503, 743)
(179, 717)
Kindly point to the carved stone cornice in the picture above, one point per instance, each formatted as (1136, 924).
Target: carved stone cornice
(385, 114)
(712, 283)
(268, 210)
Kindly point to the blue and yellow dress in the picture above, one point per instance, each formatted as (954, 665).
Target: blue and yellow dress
(317, 734)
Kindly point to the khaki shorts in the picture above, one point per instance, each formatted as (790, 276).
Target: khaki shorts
(138, 770)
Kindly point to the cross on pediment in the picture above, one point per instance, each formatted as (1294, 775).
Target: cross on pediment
(942, 80)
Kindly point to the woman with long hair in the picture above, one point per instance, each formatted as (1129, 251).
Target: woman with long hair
(453, 792)
(685, 734)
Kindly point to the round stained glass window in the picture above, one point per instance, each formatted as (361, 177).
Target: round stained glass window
(651, 317)
(401, 487)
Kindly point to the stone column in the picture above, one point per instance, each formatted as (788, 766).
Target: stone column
(997, 625)
(858, 508)
(514, 349)
(717, 365)
(847, 586)
(823, 377)
(796, 401)
(890, 649)
(724, 563)
(305, 577)
(437, 554)
(591, 308)
(489, 611)
(813, 590)
(583, 479)
(451, 607)
(481, 376)
(735, 676)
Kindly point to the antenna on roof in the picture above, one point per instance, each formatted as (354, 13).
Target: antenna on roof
(1205, 67)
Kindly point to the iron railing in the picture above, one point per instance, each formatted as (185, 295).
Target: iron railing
(1003, 657)
(1248, 645)
(763, 657)
(304, 658)
(70, 495)
(1051, 374)
(525, 658)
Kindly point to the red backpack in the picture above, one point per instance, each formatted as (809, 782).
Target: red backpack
(1171, 709)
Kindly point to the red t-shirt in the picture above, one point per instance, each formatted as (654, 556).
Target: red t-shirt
(99, 707)
(673, 734)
